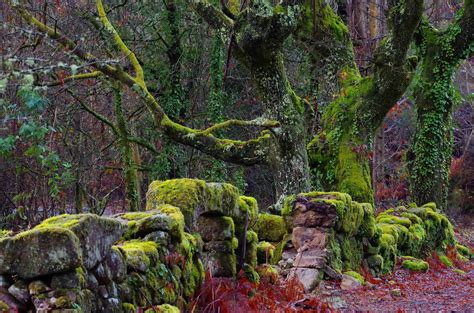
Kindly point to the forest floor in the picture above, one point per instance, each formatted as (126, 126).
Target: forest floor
(440, 289)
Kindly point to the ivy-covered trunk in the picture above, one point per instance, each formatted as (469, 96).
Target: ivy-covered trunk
(431, 150)
(340, 152)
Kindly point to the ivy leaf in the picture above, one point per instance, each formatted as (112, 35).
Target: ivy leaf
(3, 85)
(32, 131)
(32, 99)
(7, 144)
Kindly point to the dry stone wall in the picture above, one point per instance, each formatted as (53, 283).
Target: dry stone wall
(158, 257)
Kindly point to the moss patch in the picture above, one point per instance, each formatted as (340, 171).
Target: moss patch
(414, 264)
(270, 227)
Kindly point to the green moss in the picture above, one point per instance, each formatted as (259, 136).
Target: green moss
(391, 219)
(164, 217)
(193, 276)
(288, 203)
(412, 217)
(351, 252)
(4, 233)
(367, 228)
(460, 272)
(444, 259)
(250, 273)
(191, 195)
(414, 264)
(356, 275)
(164, 308)
(270, 227)
(247, 205)
(268, 272)
(63, 302)
(138, 253)
(388, 250)
(4, 308)
(279, 249)
(128, 308)
(132, 216)
(334, 253)
(265, 252)
(64, 221)
(465, 251)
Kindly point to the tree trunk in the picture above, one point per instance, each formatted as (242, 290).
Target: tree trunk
(431, 149)
(132, 185)
(289, 161)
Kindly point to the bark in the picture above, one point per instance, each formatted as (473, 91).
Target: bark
(132, 186)
(259, 33)
(339, 152)
(430, 153)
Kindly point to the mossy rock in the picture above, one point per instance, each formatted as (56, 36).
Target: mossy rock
(96, 234)
(195, 197)
(139, 255)
(251, 248)
(220, 264)
(247, 205)
(357, 276)
(391, 219)
(270, 227)
(193, 276)
(414, 264)
(212, 228)
(40, 252)
(350, 214)
(164, 308)
(376, 263)
(165, 217)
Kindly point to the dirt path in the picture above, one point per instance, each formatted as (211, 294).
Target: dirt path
(440, 289)
(436, 290)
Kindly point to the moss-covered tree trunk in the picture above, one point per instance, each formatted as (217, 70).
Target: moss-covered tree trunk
(132, 186)
(339, 153)
(258, 34)
(431, 150)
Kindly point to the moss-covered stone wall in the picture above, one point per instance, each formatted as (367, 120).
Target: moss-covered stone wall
(332, 235)
(88, 263)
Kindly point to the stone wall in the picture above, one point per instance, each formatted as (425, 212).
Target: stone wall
(88, 263)
(333, 235)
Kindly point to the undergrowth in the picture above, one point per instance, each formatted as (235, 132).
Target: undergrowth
(226, 295)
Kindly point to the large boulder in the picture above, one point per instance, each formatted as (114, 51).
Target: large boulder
(40, 252)
(96, 234)
(164, 217)
(195, 197)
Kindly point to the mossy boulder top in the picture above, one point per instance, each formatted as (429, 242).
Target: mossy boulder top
(95, 233)
(165, 218)
(40, 252)
(195, 197)
(327, 209)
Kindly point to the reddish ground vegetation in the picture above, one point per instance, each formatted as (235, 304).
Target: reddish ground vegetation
(226, 295)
